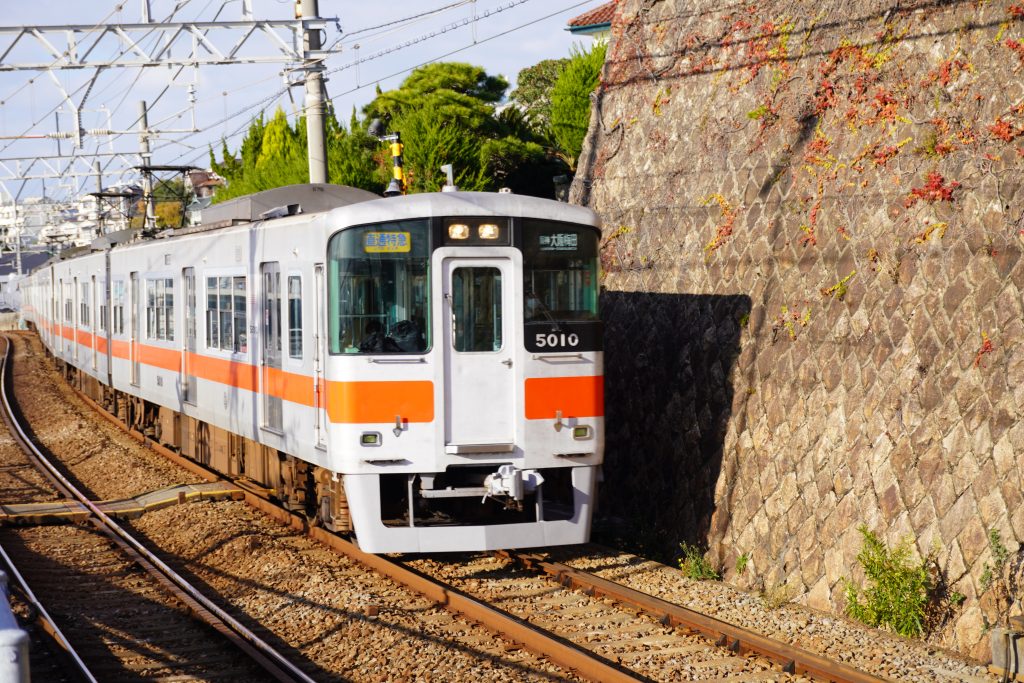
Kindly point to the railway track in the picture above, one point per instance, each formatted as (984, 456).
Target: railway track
(127, 616)
(603, 632)
(650, 638)
(591, 627)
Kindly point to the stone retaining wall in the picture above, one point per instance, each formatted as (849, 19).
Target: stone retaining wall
(814, 214)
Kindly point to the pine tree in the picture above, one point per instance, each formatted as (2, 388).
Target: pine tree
(431, 142)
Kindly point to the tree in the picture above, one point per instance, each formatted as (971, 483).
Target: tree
(430, 142)
(351, 155)
(533, 91)
(445, 115)
(168, 214)
(454, 91)
(570, 100)
(521, 157)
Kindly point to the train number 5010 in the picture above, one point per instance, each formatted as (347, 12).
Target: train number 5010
(556, 340)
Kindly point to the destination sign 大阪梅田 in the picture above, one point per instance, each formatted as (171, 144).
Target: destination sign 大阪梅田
(559, 241)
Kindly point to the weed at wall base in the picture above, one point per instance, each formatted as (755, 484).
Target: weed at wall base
(694, 565)
(897, 591)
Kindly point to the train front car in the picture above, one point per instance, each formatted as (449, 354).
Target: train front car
(464, 376)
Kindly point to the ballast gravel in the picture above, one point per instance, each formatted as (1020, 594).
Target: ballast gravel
(100, 456)
(348, 622)
(872, 650)
(355, 625)
(352, 623)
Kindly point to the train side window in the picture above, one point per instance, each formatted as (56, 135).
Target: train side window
(69, 305)
(102, 308)
(225, 314)
(117, 294)
(160, 308)
(294, 316)
(83, 304)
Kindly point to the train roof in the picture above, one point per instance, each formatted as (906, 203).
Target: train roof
(308, 197)
(352, 206)
(464, 204)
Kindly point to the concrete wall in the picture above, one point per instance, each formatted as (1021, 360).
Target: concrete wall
(814, 218)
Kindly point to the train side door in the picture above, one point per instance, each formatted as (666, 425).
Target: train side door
(109, 324)
(273, 417)
(75, 318)
(133, 330)
(58, 312)
(54, 308)
(478, 352)
(318, 351)
(188, 379)
(94, 321)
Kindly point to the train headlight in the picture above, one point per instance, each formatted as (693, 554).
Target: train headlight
(488, 231)
(458, 231)
(369, 439)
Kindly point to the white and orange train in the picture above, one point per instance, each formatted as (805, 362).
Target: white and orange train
(424, 372)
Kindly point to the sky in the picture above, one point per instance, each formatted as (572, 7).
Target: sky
(378, 44)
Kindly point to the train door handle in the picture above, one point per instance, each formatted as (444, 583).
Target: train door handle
(507, 362)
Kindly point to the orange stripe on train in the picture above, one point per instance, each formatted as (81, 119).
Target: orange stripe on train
(374, 402)
(241, 375)
(289, 386)
(574, 396)
(158, 357)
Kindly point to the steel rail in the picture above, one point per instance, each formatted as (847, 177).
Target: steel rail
(247, 641)
(740, 640)
(560, 651)
(43, 618)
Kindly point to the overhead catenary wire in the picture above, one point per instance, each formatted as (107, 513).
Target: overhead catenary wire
(77, 90)
(180, 4)
(117, 8)
(194, 152)
(399, 72)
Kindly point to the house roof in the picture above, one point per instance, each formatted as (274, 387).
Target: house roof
(599, 17)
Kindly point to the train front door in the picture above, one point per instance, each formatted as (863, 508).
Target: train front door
(478, 353)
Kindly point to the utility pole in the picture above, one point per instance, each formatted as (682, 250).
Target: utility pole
(315, 133)
(99, 191)
(147, 178)
(17, 241)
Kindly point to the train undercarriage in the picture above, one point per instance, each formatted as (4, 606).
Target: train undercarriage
(300, 486)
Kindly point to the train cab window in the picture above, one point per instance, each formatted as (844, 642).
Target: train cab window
(294, 316)
(160, 308)
(379, 288)
(225, 314)
(560, 287)
(559, 272)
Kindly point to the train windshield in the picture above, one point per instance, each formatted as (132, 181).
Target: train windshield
(560, 275)
(378, 288)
